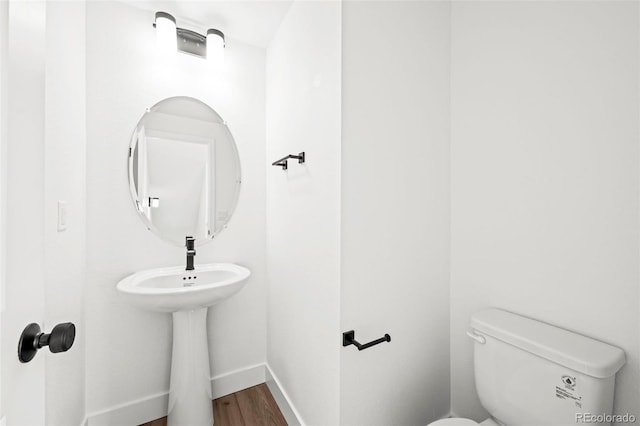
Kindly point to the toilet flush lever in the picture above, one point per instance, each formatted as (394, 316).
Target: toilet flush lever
(477, 337)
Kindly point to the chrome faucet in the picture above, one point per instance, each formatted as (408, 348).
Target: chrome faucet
(191, 251)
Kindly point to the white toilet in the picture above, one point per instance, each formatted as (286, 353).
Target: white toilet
(529, 373)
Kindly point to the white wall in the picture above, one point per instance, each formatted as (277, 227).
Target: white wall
(395, 211)
(128, 350)
(303, 208)
(544, 177)
(65, 179)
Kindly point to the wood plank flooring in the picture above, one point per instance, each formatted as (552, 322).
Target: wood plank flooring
(254, 406)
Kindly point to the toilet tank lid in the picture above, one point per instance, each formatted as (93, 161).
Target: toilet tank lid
(572, 350)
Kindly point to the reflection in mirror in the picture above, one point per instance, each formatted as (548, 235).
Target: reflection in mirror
(184, 170)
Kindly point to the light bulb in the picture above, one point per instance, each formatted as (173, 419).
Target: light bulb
(166, 36)
(215, 46)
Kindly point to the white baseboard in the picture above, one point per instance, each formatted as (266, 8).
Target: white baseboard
(132, 413)
(291, 415)
(237, 380)
(155, 406)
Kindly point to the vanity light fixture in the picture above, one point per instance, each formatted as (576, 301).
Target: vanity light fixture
(166, 32)
(171, 38)
(215, 46)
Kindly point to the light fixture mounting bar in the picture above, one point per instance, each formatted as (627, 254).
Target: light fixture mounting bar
(192, 42)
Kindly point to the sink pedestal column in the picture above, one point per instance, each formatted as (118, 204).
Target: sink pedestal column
(190, 386)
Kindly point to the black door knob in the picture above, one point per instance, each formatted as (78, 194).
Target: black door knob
(32, 338)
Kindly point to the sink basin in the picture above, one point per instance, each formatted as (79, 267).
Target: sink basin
(174, 289)
(187, 296)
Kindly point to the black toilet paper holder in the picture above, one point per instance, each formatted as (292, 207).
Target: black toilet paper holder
(349, 338)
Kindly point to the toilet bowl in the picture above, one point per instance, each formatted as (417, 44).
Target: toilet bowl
(454, 421)
(459, 421)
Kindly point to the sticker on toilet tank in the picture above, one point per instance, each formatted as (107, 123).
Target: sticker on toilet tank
(568, 390)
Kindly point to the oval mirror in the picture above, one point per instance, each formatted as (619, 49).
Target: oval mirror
(184, 170)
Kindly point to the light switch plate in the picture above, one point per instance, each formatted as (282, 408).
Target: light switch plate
(62, 215)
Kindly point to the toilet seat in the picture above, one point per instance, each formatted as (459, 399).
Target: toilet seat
(454, 421)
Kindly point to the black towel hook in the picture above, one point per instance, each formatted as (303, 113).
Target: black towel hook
(283, 161)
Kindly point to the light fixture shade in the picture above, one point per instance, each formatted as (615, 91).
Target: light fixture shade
(215, 46)
(166, 38)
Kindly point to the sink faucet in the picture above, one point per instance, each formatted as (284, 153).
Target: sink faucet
(191, 251)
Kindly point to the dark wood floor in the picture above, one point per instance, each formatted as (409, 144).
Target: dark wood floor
(254, 406)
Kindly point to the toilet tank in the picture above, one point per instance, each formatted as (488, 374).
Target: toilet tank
(529, 373)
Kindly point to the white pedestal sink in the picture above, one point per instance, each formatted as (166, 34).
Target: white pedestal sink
(186, 294)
